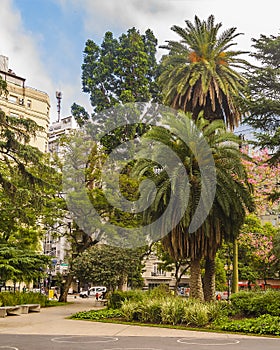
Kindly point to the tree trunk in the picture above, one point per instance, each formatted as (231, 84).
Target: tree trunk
(209, 285)
(65, 288)
(122, 285)
(196, 291)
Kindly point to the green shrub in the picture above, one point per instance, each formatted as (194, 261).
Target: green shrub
(116, 298)
(196, 315)
(19, 298)
(97, 315)
(131, 310)
(217, 310)
(265, 324)
(254, 304)
(173, 310)
(150, 311)
(162, 291)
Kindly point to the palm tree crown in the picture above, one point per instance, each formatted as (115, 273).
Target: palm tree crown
(232, 199)
(199, 73)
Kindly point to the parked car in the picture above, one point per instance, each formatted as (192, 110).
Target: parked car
(100, 290)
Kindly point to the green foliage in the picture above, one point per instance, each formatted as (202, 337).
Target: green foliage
(199, 73)
(159, 306)
(117, 72)
(29, 184)
(19, 298)
(107, 265)
(233, 195)
(264, 89)
(97, 315)
(161, 291)
(131, 310)
(120, 70)
(116, 298)
(173, 311)
(21, 265)
(197, 314)
(263, 325)
(254, 304)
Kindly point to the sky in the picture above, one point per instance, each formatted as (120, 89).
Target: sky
(45, 39)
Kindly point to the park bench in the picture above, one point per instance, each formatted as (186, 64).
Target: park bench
(9, 310)
(32, 307)
(18, 309)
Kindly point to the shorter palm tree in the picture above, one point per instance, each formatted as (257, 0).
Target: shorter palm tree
(231, 198)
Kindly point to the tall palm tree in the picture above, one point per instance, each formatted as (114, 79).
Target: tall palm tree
(231, 200)
(201, 72)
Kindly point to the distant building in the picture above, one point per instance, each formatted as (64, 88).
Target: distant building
(25, 102)
(154, 276)
(55, 243)
(56, 130)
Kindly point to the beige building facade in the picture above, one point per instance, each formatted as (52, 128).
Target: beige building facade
(25, 102)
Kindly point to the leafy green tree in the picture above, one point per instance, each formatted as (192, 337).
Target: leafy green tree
(21, 264)
(119, 71)
(202, 73)
(82, 238)
(109, 266)
(263, 105)
(28, 187)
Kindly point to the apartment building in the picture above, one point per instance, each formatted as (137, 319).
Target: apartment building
(56, 130)
(55, 243)
(154, 276)
(25, 102)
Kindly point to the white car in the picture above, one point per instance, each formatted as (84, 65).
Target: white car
(93, 291)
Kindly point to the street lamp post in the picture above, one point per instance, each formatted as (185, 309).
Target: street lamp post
(228, 268)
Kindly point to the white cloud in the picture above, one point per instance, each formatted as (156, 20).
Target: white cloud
(250, 17)
(21, 47)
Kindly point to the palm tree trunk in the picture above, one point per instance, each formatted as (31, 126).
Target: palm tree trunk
(209, 280)
(196, 291)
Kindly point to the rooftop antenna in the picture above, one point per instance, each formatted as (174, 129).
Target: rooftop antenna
(58, 95)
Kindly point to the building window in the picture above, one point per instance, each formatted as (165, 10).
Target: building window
(28, 103)
(13, 99)
(157, 272)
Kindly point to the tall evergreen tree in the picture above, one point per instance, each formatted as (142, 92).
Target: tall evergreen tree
(264, 89)
(28, 188)
(119, 71)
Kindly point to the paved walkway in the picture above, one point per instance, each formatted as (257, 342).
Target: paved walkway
(53, 321)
